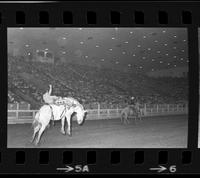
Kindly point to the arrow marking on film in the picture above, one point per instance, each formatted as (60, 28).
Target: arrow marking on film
(66, 169)
(159, 169)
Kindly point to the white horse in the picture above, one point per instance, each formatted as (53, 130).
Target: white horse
(56, 112)
(130, 112)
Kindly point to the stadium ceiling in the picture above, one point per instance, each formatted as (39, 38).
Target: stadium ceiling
(147, 49)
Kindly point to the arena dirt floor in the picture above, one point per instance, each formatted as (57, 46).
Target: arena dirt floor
(151, 132)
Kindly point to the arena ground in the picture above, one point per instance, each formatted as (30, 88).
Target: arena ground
(151, 132)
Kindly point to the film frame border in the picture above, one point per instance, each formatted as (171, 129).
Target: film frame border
(174, 13)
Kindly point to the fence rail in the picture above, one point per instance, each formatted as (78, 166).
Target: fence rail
(26, 116)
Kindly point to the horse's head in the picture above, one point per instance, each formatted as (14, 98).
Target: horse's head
(80, 114)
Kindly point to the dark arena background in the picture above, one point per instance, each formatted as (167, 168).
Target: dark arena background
(104, 69)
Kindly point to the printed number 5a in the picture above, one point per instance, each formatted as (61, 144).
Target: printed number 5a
(172, 168)
(80, 168)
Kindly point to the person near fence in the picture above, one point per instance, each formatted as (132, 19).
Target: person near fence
(132, 102)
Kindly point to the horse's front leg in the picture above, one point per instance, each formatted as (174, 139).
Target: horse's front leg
(126, 119)
(136, 117)
(122, 118)
(140, 115)
(63, 126)
(69, 126)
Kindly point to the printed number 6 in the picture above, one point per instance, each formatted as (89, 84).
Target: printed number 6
(172, 168)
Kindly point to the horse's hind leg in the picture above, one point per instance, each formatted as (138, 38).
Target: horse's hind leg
(122, 118)
(40, 134)
(124, 121)
(140, 116)
(62, 130)
(69, 126)
(135, 119)
(127, 120)
(36, 129)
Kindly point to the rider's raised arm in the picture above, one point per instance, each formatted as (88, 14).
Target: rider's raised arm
(50, 90)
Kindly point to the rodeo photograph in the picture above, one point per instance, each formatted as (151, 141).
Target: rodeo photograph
(97, 87)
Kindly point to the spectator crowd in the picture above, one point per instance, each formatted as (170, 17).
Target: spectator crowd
(28, 81)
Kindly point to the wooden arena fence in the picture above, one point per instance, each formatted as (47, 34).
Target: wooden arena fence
(18, 115)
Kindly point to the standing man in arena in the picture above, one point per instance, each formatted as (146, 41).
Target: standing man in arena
(132, 101)
(134, 104)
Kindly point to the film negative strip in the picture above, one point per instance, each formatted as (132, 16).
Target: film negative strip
(99, 87)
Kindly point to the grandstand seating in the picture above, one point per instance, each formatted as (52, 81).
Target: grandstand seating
(27, 82)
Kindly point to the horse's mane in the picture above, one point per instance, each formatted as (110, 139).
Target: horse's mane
(79, 104)
(127, 108)
(124, 109)
(72, 98)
